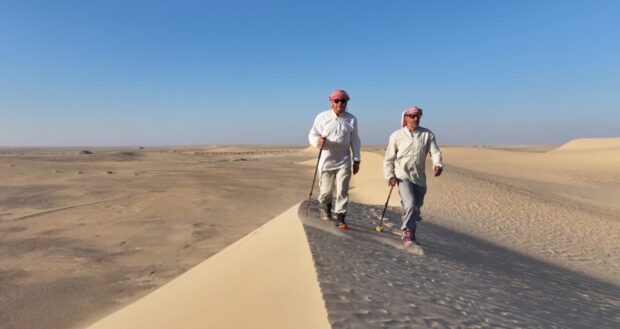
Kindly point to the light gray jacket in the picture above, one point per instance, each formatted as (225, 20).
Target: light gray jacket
(405, 156)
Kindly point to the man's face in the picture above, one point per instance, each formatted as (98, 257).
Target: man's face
(412, 120)
(339, 105)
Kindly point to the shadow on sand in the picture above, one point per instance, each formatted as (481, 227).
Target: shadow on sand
(369, 280)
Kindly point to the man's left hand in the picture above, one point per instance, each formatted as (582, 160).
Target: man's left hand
(356, 167)
(437, 170)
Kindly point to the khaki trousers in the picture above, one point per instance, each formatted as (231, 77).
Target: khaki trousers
(335, 183)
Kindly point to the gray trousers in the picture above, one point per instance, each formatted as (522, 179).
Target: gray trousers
(411, 200)
(335, 182)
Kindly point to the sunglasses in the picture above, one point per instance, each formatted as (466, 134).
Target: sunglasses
(413, 116)
(338, 101)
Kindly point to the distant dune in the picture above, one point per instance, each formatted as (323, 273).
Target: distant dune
(591, 159)
(590, 144)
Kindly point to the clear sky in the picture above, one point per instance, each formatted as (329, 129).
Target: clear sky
(253, 72)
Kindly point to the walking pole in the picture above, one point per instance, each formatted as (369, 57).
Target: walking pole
(316, 169)
(379, 227)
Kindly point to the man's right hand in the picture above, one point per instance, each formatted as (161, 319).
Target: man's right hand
(437, 170)
(393, 181)
(321, 142)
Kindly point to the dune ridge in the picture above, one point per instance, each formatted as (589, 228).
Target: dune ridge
(264, 280)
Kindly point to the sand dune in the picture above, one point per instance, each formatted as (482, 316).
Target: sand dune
(590, 144)
(523, 202)
(583, 168)
(510, 238)
(368, 280)
(497, 252)
(264, 280)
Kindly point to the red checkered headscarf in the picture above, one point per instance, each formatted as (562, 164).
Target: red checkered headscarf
(339, 94)
(408, 111)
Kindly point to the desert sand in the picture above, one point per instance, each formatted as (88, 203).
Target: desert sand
(83, 235)
(265, 280)
(511, 237)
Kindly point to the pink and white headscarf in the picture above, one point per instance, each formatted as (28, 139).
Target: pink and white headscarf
(339, 94)
(408, 111)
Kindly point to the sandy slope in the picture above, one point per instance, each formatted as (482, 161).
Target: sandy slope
(369, 280)
(554, 206)
(560, 206)
(264, 280)
(511, 238)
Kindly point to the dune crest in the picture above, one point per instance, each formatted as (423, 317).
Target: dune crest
(264, 280)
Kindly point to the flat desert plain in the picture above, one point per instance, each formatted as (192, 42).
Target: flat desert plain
(84, 234)
(512, 237)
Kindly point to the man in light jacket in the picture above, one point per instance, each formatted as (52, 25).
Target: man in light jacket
(335, 132)
(404, 165)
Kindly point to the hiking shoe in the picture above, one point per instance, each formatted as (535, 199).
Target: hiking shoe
(340, 222)
(407, 237)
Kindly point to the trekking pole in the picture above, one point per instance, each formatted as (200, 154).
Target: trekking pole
(316, 169)
(379, 227)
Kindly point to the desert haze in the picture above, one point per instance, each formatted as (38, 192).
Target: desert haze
(511, 237)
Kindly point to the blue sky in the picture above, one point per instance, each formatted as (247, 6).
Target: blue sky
(212, 72)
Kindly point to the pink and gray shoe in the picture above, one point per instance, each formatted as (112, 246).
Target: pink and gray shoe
(408, 237)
